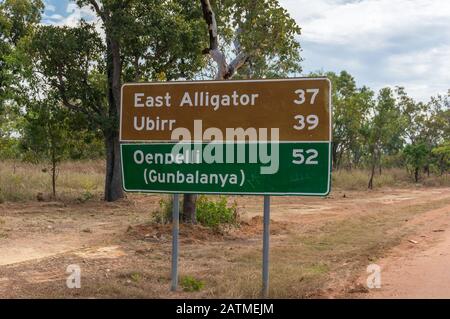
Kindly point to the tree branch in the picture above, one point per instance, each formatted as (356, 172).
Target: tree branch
(98, 10)
(225, 71)
(213, 50)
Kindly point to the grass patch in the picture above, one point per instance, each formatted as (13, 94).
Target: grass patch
(20, 182)
(357, 179)
(191, 284)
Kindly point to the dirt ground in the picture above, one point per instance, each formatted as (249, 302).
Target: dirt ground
(320, 247)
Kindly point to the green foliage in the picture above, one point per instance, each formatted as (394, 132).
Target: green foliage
(266, 33)
(351, 111)
(45, 132)
(190, 284)
(215, 213)
(164, 214)
(442, 156)
(416, 157)
(211, 213)
(18, 19)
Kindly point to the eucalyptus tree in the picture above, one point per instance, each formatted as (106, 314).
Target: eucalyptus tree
(248, 39)
(141, 41)
(45, 134)
(383, 126)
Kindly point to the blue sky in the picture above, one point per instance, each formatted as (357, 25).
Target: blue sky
(380, 42)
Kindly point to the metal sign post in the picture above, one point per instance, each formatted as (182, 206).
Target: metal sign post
(175, 233)
(266, 240)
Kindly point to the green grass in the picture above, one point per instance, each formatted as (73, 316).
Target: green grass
(191, 284)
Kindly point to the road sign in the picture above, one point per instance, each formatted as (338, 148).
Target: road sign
(264, 137)
(300, 108)
(303, 169)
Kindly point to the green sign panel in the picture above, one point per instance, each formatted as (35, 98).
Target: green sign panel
(285, 168)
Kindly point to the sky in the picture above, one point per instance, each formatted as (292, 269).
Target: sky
(380, 42)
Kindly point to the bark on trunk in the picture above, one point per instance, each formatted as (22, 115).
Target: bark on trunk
(54, 177)
(370, 186)
(416, 175)
(189, 208)
(334, 151)
(113, 181)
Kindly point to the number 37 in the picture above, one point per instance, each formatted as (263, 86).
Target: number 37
(302, 96)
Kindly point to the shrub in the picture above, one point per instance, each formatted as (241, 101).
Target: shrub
(210, 213)
(190, 284)
(163, 215)
(214, 213)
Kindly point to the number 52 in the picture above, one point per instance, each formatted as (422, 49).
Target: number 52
(300, 159)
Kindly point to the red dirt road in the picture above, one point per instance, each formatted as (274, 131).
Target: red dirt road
(413, 271)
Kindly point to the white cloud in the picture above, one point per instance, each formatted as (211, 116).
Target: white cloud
(381, 42)
(73, 16)
(366, 24)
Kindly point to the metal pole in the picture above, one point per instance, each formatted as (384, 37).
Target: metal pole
(175, 232)
(266, 239)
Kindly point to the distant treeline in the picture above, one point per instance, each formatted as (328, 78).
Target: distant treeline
(60, 86)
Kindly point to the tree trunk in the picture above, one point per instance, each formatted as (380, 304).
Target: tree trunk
(53, 175)
(113, 180)
(370, 186)
(416, 175)
(334, 154)
(442, 165)
(189, 208)
(427, 170)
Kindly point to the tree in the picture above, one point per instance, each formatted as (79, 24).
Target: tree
(416, 156)
(264, 42)
(351, 107)
(383, 125)
(46, 134)
(18, 18)
(442, 152)
(144, 40)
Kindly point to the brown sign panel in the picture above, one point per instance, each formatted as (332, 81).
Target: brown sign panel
(300, 108)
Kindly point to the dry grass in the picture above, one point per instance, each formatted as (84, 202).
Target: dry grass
(76, 180)
(84, 180)
(358, 179)
(307, 265)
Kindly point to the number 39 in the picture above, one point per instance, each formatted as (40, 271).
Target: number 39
(311, 120)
